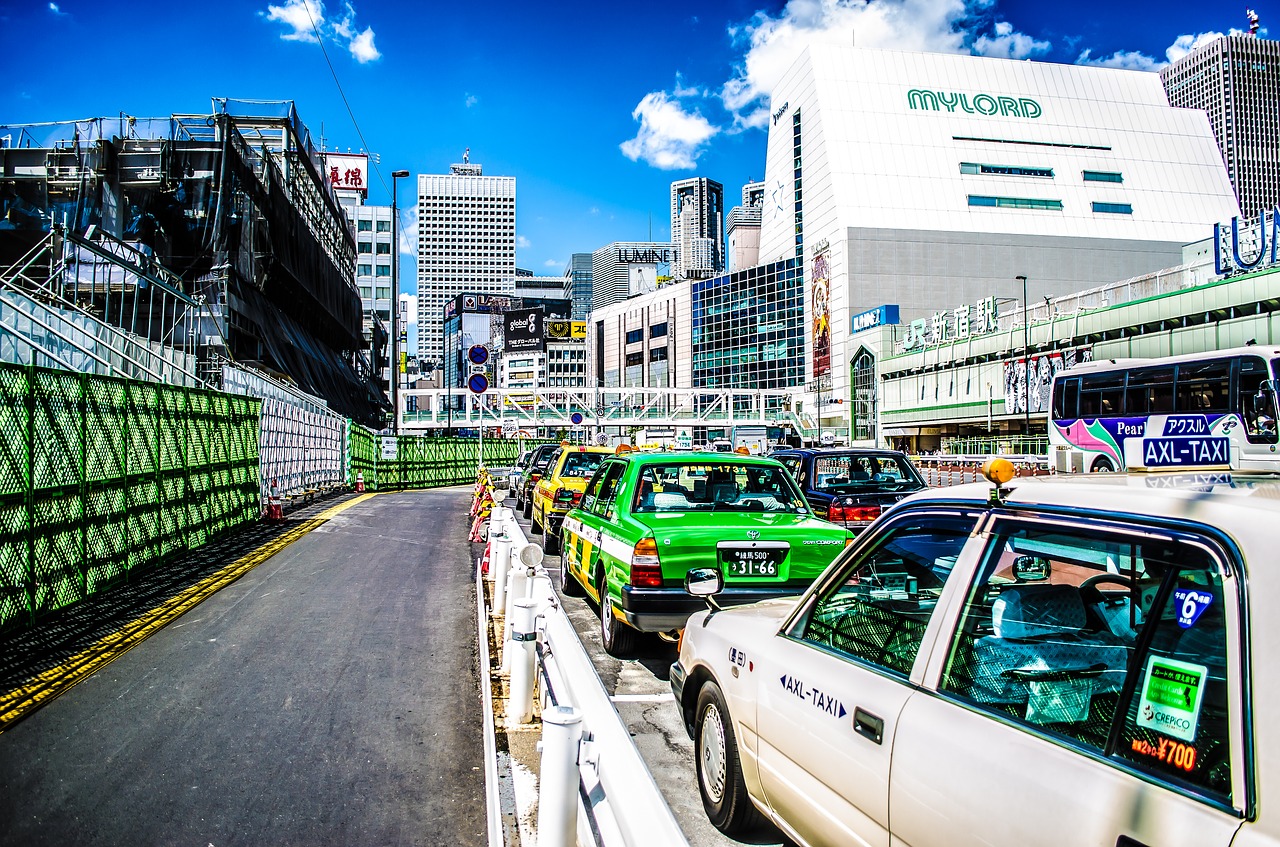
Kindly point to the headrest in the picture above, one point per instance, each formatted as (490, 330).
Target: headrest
(1033, 611)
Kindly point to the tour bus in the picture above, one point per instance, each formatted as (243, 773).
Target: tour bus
(1216, 408)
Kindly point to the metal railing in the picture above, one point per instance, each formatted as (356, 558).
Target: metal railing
(594, 787)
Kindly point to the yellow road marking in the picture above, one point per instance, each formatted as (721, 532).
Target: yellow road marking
(20, 702)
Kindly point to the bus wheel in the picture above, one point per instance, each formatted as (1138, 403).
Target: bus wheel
(1102, 465)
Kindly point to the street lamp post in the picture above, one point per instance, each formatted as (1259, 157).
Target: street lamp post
(1026, 364)
(395, 303)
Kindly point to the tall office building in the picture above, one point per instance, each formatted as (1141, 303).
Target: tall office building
(697, 227)
(577, 284)
(466, 242)
(1236, 80)
(744, 229)
(626, 268)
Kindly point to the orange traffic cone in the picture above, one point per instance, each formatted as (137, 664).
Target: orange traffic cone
(484, 562)
(359, 481)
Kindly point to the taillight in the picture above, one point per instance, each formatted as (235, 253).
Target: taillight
(646, 572)
(853, 514)
(564, 495)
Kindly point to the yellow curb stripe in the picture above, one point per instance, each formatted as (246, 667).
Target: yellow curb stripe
(20, 702)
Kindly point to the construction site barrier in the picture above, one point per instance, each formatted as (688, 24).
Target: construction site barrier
(594, 786)
(101, 476)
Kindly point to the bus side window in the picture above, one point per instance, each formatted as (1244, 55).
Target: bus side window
(1066, 399)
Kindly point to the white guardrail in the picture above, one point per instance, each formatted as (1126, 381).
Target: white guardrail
(593, 786)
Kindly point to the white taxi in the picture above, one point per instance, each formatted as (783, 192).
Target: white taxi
(1070, 662)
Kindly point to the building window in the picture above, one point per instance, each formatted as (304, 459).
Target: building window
(634, 359)
(384, 249)
(635, 336)
(384, 270)
(658, 354)
(365, 247)
(658, 330)
(1015, 202)
(1004, 170)
(1103, 176)
(1113, 208)
(384, 226)
(364, 270)
(364, 226)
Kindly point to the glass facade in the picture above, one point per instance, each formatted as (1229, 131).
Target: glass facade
(748, 328)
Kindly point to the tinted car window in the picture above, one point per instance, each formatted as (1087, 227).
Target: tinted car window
(582, 464)
(852, 474)
(878, 608)
(716, 486)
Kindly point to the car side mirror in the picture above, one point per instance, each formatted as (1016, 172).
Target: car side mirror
(704, 582)
(1031, 568)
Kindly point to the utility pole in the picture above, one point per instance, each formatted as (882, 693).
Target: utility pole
(1026, 364)
(395, 303)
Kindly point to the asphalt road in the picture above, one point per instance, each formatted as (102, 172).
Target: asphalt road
(642, 695)
(330, 696)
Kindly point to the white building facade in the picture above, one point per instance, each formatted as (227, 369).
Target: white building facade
(644, 341)
(930, 180)
(466, 242)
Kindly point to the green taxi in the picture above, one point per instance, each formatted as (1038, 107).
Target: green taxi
(646, 519)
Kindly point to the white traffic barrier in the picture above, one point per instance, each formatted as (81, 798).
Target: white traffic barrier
(500, 567)
(558, 777)
(523, 661)
(617, 802)
(517, 589)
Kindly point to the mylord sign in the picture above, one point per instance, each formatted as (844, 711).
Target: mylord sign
(975, 104)
(879, 316)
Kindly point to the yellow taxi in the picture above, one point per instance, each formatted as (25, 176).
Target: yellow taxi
(561, 487)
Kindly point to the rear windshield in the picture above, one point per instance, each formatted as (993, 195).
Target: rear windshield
(582, 464)
(542, 462)
(717, 486)
(853, 473)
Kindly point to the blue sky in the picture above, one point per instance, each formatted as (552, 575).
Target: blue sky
(594, 107)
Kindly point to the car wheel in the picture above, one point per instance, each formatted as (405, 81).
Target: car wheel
(569, 585)
(1102, 465)
(550, 543)
(535, 524)
(724, 793)
(617, 638)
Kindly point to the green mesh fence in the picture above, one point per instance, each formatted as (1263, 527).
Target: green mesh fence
(102, 476)
(424, 462)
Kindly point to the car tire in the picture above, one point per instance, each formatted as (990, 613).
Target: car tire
(569, 585)
(618, 639)
(1101, 465)
(535, 526)
(720, 781)
(528, 507)
(550, 543)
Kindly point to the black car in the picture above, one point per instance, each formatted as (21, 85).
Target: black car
(851, 486)
(539, 461)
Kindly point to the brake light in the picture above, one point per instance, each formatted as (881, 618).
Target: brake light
(646, 571)
(567, 496)
(853, 514)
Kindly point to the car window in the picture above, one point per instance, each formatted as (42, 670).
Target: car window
(546, 459)
(1054, 634)
(727, 486)
(854, 473)
(792, 464)
(598, 498)
(877, 609)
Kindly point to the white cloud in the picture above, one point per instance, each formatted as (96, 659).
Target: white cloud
(303, 17)
(362, 49)
(522, 242)
(471, 100)
(408, 231)
(1185, 44)
(595, 210)
(53, 7)
(1007, 44)
(670, 137)
(1131, 60)
(552, 263)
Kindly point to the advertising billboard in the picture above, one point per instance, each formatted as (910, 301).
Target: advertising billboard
(522, 331)
(567, 330)
(348, 171)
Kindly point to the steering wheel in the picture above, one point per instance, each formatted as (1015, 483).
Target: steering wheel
(1089, 591)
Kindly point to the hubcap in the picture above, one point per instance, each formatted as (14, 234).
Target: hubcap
(711, 742)
(606, 615)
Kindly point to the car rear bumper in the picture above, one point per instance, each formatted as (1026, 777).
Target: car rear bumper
(667, 608)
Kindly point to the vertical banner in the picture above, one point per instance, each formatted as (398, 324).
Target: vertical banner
(821, 315)
(1017, 382)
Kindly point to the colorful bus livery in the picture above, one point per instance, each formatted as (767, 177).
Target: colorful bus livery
(1205, 410)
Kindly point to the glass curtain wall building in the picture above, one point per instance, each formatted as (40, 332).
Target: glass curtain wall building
(748, 328)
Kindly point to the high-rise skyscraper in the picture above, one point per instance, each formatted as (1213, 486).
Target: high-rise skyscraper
(577, 284)
(466, 242)
(744, 228)
(697, 227)
(1236, 80)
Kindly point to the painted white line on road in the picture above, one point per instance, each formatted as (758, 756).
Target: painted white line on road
(643, 698)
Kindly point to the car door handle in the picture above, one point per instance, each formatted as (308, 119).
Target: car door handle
(868, 725)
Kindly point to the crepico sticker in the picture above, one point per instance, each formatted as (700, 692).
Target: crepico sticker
(1190, 605)
(1171, 695)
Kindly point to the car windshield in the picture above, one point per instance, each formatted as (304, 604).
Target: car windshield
(702, 486)
(582, 464)
(853, 473)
